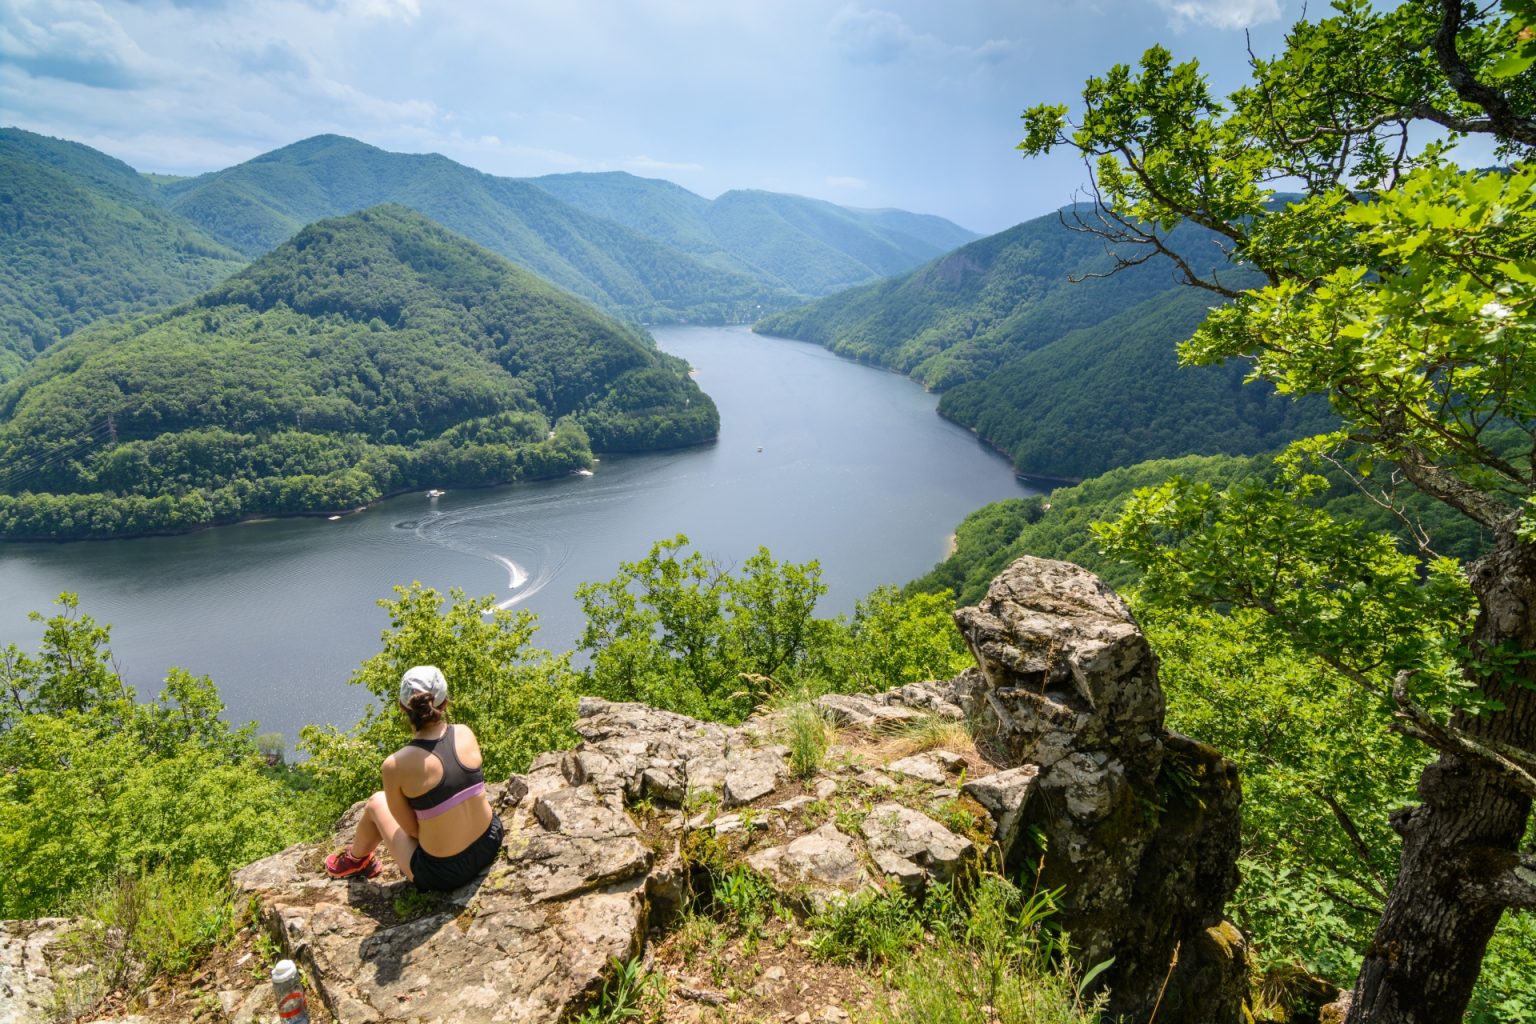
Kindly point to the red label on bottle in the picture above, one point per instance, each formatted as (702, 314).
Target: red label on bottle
(291, 1004)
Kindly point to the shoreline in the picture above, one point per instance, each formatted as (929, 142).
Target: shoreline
(342, 513)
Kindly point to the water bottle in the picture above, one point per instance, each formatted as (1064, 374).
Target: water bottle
(291, 1006)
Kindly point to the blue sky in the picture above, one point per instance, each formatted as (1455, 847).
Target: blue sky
(906, 103)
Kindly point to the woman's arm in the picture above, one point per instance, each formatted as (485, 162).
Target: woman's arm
(403, 812)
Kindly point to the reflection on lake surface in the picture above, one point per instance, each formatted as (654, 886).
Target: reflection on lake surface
(818, 458)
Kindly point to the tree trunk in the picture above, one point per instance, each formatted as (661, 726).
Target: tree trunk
(1424, 959)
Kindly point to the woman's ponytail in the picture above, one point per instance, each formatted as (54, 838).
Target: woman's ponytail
(421, 711)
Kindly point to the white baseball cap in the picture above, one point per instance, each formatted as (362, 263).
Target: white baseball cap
(424, 679)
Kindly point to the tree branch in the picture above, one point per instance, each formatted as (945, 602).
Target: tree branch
(1502, 120)
(1123, 231)
(1358, 842)
(1386, 500)
(1442, 486)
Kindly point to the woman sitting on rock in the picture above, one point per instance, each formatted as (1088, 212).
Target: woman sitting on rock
(432, 812)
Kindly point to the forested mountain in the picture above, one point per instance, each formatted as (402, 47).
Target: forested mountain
(807, 245)
(371, 353)
(81, 237)
(256, 205)
(961, 316)
(1069, 377)
(817, 247)
(1114, 393)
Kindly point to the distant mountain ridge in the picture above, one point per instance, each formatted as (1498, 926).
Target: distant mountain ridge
(256, 205)
(648, 249)
(369, 354)
(83, 236)
(1069, 369)
(809, 246)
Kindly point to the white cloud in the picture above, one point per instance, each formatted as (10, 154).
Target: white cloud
(405, 10)
(1227, 14)
(72, 41)
(847, 181)
(645, 163)
(870, 36)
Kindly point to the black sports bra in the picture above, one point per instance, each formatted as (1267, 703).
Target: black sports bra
(458, 783)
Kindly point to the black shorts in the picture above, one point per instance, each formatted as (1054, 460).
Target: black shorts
(444, 874)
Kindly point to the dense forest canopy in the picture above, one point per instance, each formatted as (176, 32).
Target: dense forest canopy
(807, 246)
(647, 249)
(1051, 357)
(82, 236)
(372, 353)
(256, 205)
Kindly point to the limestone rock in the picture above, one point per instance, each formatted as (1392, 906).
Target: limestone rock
(754, 773)
(1004, 796)
(27, 982)
(1065, 664)
(898, 836)
(1140, 825)
(921, 767)
(825, 861)
(530, 941)
(865, 712)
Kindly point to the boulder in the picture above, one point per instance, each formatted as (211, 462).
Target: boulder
(921, 767)
(1004, 796)
(1140, 825)
(821, 864)
(911, 846)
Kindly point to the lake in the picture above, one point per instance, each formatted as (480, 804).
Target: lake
(818, 458)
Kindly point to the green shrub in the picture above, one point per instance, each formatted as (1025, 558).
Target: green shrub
(136, 927)
(94, 785)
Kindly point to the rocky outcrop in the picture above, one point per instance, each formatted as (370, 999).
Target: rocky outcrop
(528, 942)
(1140, 825)
(601, 842)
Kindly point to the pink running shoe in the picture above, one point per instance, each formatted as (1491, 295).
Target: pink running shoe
(344, 865)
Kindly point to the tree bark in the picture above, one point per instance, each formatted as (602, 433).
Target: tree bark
(1424, 959)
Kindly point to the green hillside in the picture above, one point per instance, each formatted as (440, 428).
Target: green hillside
(816, 247)
(807, 245)
(256, 205)
(82, 237)
(370, 354)
(1114, 394)
(1069, 377)
(963, 315)
(657, 209)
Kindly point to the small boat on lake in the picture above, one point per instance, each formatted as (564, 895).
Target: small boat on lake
(435, 493)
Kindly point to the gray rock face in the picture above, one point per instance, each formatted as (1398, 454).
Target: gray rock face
(1004, 795)
(822, 861)
(27, 985)
(527, 942)
(912, 846)
(1141, 826)
(920, 767)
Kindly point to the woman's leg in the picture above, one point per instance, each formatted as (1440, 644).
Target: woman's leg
(378, 825)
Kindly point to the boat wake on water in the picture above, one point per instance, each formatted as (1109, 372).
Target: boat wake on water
(529, 534)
